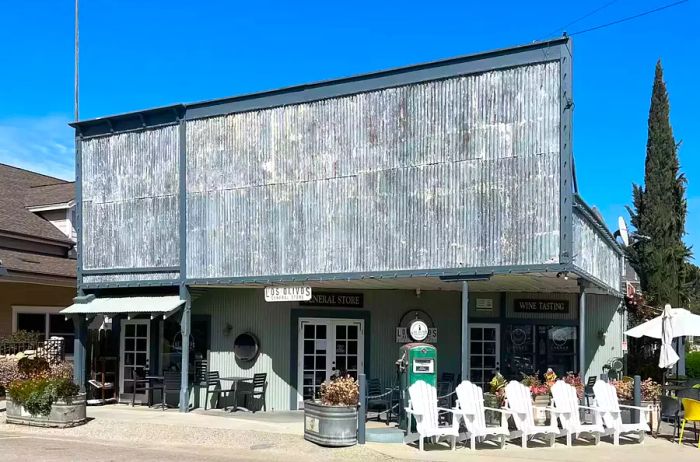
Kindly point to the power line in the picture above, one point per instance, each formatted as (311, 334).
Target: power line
(587, 15)
(628, 18)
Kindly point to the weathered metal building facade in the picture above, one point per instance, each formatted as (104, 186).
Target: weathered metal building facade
(402, 179)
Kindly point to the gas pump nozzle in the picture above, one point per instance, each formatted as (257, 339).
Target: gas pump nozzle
(401, 362)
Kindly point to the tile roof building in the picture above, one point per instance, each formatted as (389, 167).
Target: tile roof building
(37, 248)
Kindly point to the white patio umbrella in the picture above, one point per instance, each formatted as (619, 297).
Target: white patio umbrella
(673, 323)
(668, 356)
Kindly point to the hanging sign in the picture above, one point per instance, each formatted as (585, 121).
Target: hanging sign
(484, 304)
(352, 300)
(541, 306)
(287, 293)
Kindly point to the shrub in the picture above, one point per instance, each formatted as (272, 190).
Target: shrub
(32, 367)
(624, 389)
(21, 336)
(342, 391)
(692, 365)
(11, 369)
(8, 371)
(575, 381)
(38, 394)
(651, 390)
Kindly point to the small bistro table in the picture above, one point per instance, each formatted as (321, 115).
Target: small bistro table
(234, 382)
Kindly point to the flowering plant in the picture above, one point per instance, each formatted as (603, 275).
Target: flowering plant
(342, 391)
(533, 382)
(498, 387)
(651, 390)
(575, 381)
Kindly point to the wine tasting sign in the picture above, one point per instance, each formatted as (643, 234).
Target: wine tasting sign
(541, 306)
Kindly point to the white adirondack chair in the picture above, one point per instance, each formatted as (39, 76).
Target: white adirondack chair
(422, 405)
(470, 405)
(609, 410)
(519, 403)
(567, 404)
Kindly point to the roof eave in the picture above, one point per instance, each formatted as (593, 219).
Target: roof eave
(278, 97)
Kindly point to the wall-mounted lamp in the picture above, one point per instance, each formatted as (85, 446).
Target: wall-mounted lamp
(601, 336)
(563, 274)
(228, 329)
(418, 292)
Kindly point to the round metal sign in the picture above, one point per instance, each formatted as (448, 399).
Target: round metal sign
(418, 330)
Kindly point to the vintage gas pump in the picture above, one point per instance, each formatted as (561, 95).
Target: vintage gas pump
(417, 361)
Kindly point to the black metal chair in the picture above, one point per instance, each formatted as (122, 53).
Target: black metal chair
(692, 393)
(588, 389)
(213, 380)
(257, 390)
(444, 399)
(380, 404)
(447, 377)
(172, 383)
(670, 409)
(148, 385)
(201, 367)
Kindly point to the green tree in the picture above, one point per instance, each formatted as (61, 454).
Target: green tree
(660, 257)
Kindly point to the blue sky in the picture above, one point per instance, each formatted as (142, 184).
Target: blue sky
(139, 54)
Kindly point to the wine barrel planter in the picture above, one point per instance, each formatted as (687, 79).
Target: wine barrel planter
(64, 414)
(333, 426)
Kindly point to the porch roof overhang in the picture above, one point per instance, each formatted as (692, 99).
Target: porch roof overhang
(155, 305)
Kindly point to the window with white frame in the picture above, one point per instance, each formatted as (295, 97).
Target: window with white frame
(46, 321)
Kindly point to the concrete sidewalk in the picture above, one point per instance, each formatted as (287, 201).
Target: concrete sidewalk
(277, 435)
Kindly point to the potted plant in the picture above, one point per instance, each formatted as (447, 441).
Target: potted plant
(331, 420)
(540, 391)
(651, 391)
(43, 396)
(575, 381)
(495, 398)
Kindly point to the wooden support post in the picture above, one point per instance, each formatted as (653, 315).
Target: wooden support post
(465, 330)
(185, 329)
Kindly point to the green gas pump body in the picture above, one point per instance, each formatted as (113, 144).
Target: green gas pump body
(417, 361)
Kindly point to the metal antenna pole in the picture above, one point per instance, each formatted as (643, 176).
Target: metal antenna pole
(77, 64)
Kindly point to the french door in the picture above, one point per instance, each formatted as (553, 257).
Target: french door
(134, 359)
(484, 352)
(327, 347)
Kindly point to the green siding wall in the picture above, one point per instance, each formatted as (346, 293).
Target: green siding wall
(246, 310)
(234, 311)
(602, 315)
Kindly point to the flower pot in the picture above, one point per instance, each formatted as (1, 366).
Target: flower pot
(64, 413)
(652, 420)
(333, 426)
(540, 402)
(492, 417)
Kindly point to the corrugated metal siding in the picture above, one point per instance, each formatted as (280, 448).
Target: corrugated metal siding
(462, 172)
(594, 255)
(246, 311)
(130, 199)
(602, 315)
(129, 277)
(571, 298)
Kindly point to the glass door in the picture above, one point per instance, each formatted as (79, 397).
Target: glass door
(347, 359)
(135, 356)
(327, 348)
(484, 353)
(313, 357)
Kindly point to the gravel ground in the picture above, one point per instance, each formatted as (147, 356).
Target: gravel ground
(269, 445)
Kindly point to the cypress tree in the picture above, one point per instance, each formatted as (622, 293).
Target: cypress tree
(660, 256)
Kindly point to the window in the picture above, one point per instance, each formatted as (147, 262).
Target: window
(46, 321)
